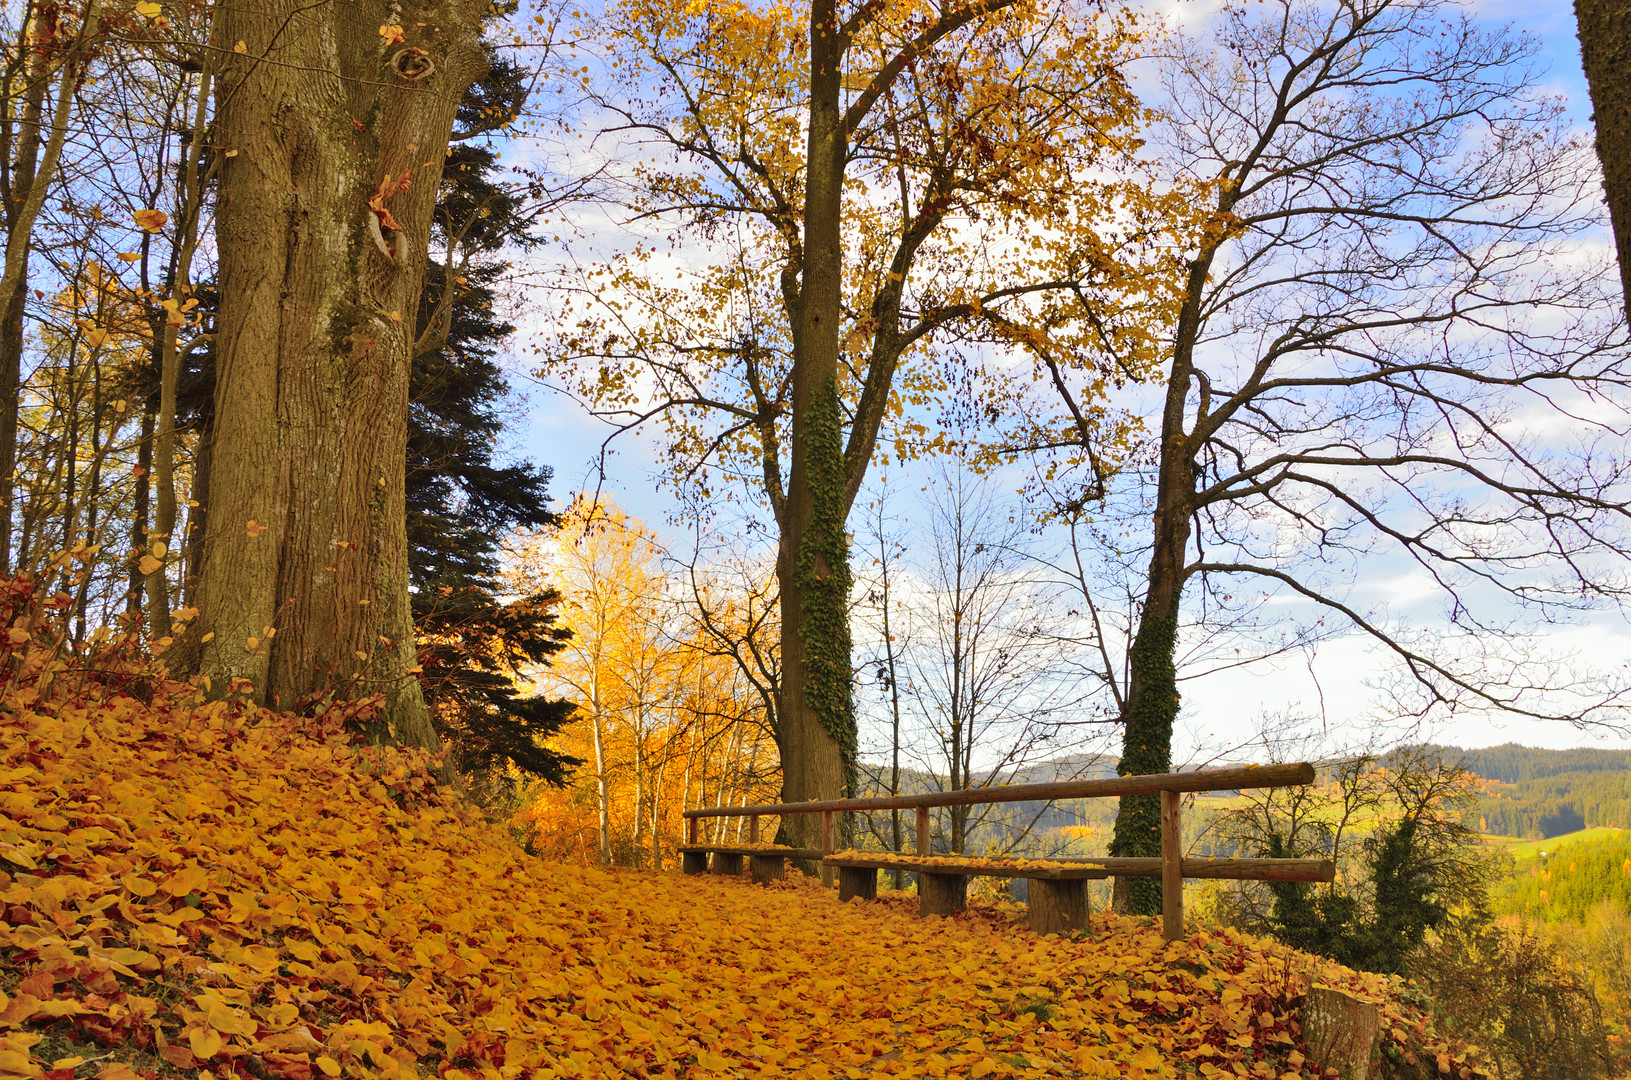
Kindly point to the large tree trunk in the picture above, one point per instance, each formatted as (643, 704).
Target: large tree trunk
(321, 111)
(1605, 51)
(817, 723)
(1150, 706)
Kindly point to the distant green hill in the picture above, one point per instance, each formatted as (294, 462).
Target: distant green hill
(1543, 794)
(1514, 764)
(1574, 877)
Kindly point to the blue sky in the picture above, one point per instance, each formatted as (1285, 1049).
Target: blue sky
(1227, 709)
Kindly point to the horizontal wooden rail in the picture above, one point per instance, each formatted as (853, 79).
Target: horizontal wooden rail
(1312, 870)
(1237, 779)
(1062, 902)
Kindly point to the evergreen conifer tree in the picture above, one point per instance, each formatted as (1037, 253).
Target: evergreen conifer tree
(460, 500)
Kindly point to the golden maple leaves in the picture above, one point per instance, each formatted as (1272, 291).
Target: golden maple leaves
(228, 889)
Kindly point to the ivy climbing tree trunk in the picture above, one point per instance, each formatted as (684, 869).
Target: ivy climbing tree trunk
(1150, 705)
(817, 731)
(335, 121)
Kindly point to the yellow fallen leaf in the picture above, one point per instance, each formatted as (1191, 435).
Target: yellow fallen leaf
(329, 1066)
(18, 1064)
(1147, 1058)
(304, 951)
(205, 1041)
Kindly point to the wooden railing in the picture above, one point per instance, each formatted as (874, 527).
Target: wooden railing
(1171, 867)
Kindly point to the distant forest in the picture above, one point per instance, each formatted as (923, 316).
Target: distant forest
(1572, 880)
(1545, 793)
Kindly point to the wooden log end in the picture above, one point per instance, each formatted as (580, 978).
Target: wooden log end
(1057, 907)
(941, 894)
(857, 883)
(1341, 1031)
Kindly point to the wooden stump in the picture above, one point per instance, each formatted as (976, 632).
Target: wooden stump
(767, 868)
(694, 862)
(1057, 907)
(727, 865)
(857, 882)
(1340, 1030)
(941, 894)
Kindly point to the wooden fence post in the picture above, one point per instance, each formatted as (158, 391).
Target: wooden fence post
(691, 831)
(826, 847)
(1172, 869)
(753, 828)
(923, 832)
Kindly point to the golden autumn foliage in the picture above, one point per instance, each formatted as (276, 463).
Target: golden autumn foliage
(218, 890)
(665, 721)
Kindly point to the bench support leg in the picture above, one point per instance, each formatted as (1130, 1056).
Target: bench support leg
(727, 865)
(1057, 907)
(767, 868)
(694, 862)
(857, 882)
(941, 894)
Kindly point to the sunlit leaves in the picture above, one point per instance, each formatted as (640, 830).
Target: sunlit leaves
(150, 220)
(993, 215)
(211, 883)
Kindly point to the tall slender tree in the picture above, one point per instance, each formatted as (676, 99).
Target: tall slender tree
(1356, 371)
(793, 353)
(1605, 51)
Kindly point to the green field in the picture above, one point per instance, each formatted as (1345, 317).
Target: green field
(1528, 849)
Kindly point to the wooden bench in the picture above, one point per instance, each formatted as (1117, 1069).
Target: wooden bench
(943, 885)
(1058, 896)
(1058, 893)
(767, 863)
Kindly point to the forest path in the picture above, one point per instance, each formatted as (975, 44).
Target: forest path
(212, 886)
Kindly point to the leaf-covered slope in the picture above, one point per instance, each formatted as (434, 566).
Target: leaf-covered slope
(217, 887)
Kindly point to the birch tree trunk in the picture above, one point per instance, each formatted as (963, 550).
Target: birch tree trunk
(320, 112)
(600, 792)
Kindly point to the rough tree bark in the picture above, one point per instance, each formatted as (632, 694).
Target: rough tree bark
(322, 110)
(817, 733)
(1605, 52)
